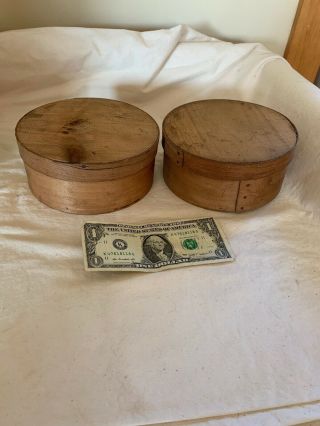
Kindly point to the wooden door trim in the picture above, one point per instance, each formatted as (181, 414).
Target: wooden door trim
(303, 48)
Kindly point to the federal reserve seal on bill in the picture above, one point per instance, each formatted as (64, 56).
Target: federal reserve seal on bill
(153, 247)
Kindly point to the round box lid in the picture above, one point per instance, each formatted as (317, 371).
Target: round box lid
(71, 136)
(231, 139)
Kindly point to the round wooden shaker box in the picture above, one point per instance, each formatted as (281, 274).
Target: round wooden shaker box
(88, 155)
(226, 155)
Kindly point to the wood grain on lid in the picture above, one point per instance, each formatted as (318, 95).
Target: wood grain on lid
(90, 133)
(229, 131)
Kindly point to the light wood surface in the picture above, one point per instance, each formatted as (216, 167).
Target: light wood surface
(226, 155)
(73, 172)
(255, 193)
(303, 48)
(88, 156)
(90, 197)
(209, 193)
(88, 132)
(229, 131)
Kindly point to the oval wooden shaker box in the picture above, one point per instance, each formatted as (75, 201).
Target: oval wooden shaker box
(88, 155)
(226, 155)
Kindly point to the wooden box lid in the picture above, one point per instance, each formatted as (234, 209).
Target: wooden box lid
(87, 139)
(230, 140)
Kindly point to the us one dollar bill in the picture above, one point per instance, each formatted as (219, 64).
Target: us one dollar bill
(153, 247)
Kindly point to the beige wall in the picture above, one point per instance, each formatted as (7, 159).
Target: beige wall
(266, 21)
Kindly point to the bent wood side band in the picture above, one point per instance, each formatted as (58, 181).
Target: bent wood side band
(230, 171)
(256, 193)
(81, 173)
(90, 197)
(218, 194)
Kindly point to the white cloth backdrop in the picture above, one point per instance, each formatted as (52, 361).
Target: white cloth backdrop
(132, 348)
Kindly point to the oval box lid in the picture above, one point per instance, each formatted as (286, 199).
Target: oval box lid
(227, 139)
(87, 139)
